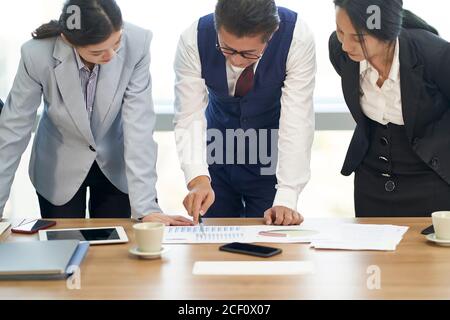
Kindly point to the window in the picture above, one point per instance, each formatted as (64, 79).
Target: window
(328, 193)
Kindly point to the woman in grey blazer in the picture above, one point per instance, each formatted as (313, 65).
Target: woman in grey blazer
(96, 129)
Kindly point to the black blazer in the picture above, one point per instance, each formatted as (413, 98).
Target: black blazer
(425, 91)
(1, 106)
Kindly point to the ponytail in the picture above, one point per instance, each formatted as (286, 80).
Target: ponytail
(100, 19)
(47, 30)
(412, 21)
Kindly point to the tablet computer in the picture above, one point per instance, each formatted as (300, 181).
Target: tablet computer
(105, 235)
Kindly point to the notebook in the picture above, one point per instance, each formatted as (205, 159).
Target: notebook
(41, 260)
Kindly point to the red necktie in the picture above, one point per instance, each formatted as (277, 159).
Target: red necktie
(245, 82)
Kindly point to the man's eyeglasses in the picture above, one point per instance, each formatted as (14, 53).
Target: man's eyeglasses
(232, 52)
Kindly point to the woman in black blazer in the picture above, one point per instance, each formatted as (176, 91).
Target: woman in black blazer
(395, 72)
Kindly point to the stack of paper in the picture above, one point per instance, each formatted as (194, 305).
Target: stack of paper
(362, 237)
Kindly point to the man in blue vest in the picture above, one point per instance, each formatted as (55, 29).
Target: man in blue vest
(244, 120)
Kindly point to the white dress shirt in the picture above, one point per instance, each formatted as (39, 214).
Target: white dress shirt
(297, 125)
(383, 105)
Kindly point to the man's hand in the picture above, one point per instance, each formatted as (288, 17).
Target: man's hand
(282, 216)
(168, 220)
(200, 198)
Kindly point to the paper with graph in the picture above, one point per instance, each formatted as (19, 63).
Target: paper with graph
(244, 234)
(331, 235)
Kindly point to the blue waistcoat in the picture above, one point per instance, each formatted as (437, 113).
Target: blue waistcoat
(260, 108)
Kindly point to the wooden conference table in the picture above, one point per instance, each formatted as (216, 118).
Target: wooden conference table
(416, 270)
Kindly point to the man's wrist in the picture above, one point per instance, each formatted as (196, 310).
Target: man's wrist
(194, 171)
(198, 180)
(286, 198)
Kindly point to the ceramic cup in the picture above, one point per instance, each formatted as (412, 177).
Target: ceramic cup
(149, 236)
(441, 223)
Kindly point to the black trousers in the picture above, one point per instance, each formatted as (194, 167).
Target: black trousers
(106, 201)
(393, 181)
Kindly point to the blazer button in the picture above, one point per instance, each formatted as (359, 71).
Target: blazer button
(92, 149)
(389, 186)
(435, 162)
(384, 141)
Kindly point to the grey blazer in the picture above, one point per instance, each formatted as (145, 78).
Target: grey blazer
(64, 147)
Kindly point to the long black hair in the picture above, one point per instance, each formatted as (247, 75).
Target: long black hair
(392, 19)
(98, 19)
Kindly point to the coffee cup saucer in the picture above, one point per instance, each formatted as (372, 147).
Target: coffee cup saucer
(432, 237)
(147, 255)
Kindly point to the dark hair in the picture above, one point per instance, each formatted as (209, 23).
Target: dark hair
(393, 18)
(98, 20)
(247, 17)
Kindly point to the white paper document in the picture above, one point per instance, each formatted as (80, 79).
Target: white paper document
(321, 235)
(255, 268)
(244, 234)
(362, 237)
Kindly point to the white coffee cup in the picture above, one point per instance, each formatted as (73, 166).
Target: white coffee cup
(441, 223)
(149, 236)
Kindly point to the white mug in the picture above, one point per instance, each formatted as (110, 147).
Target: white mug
(149, 236)
(441, 223)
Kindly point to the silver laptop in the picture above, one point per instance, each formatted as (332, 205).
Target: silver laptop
(36, 257)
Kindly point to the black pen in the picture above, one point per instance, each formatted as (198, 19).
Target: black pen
(200, 222)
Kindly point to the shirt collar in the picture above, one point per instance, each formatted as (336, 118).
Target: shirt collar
(239, 70)
(81, 65)
(394, 74)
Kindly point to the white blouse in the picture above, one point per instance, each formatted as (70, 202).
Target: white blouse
(383, 105)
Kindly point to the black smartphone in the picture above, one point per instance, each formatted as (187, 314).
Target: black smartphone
(428, 231)
(33, 226)
(251, 249)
